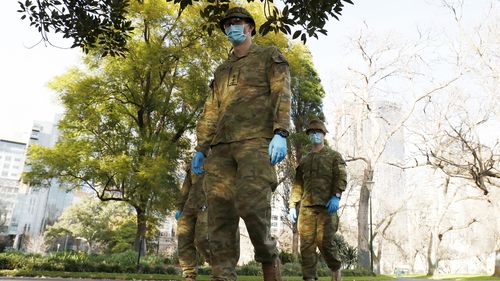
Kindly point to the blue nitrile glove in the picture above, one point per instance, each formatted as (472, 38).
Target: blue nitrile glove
(178, 214)
(292, 215)
(333, 204)
(277, 149)
(197, 163)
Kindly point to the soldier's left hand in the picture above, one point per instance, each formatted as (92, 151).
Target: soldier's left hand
(333, 204)
(277, 149)
(178, 214)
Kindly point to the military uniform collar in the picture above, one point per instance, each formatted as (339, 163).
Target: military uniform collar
(325, 148)
(252, 49)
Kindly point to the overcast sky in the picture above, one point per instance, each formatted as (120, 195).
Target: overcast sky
(25, 70)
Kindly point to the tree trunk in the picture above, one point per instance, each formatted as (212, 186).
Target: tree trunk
(363, 228)
(435, 238)
(432, 261)
(140, 236)
(376, 260)
(497, 264)
(295, 241)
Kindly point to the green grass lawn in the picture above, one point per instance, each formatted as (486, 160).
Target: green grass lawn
(131, 276)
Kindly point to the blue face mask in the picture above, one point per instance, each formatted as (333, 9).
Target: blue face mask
(316, 138)
(235, 34)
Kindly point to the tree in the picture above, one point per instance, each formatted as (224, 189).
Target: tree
(371, 114)
(455, 147)
(96, 223)
(458, 148)
(108, 24)
(124, 132)
(452, 145)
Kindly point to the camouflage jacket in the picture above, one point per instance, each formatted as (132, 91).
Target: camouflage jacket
(250, 99)
(192, 197)
(319, 176)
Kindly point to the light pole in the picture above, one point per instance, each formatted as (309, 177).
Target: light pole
(369, 186)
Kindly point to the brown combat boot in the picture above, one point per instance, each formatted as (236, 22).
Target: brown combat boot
(336, 275)
(272, 271)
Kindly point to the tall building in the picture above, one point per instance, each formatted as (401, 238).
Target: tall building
(37, 207)
(12, 157)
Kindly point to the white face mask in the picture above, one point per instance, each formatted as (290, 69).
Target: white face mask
(316, 138)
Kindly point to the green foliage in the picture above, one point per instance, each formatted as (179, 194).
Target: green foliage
(11, 260)
(205, 270)
(82, 262)
(126, 263)
(292, 269)
(108, 25)
(348, 254)
(110, 225)
(287, 257)
(295, 269)
(124, 132)
(252, 268)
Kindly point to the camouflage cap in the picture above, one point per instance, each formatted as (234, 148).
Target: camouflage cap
(237, 12)
(316, 124)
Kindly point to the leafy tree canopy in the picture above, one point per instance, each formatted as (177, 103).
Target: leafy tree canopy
(107, 23)
(125, 130)
(106, 225)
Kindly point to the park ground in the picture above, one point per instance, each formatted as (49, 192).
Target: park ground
(23, 275)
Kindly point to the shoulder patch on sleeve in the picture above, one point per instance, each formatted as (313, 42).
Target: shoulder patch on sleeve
(278, 57)
(339, 158)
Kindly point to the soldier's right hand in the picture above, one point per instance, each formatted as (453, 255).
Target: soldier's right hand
(197, 163)
(292, 215)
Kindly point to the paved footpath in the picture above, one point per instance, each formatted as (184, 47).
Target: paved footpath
(418, 279)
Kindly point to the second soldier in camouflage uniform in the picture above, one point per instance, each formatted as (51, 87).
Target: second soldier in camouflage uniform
(192, 225)
(320, 179)
(245, 123)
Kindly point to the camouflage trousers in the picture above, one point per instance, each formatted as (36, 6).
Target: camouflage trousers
(192, 240)
(316, 230)
(239, 180)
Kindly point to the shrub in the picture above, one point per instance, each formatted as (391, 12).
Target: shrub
(287, 257)
(13, 260)
(292, 269)
(127, 259)
(250, 269)
(348, 254)
(357, 272)
(172, 270)
(67, 261)
(205, 270)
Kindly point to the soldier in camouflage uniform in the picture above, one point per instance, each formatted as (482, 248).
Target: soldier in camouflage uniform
(192, 225)
(245, 123)
(319, 182)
